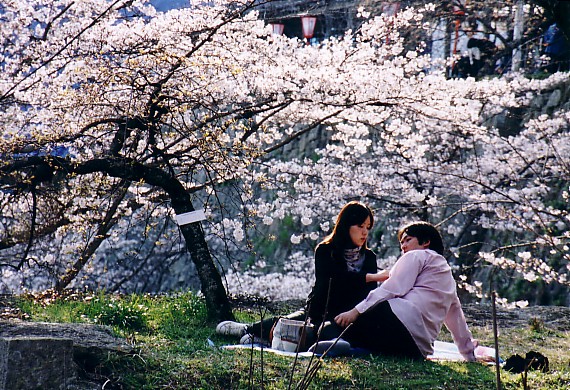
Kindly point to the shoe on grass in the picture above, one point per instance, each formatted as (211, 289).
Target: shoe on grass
(231, 328)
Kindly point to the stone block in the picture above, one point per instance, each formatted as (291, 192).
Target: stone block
(554, 99)
(36, 363)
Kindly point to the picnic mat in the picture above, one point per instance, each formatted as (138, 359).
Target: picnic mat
(448, 351)
(443, 351)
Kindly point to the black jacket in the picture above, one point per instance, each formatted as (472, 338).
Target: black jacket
(346, 288)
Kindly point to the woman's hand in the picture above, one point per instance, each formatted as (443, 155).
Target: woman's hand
(378, 277)
(346, 318)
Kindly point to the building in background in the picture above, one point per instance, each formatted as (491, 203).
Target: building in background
(319, 20)
(514, 27)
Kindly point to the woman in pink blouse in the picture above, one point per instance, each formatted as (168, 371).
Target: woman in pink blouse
(404, 315)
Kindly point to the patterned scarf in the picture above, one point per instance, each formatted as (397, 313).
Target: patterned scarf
(354, 259)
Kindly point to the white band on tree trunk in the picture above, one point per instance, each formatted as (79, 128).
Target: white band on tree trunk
(192, 216)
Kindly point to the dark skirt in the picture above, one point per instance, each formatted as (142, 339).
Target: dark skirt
(379, 331)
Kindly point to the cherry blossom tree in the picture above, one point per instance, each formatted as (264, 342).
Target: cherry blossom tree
(115, 117)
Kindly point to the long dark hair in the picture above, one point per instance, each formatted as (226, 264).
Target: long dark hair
(424, 232)
(352, 213)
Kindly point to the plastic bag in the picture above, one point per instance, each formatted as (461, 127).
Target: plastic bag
(291, 335)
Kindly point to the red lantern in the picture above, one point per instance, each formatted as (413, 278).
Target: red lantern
(308, 26)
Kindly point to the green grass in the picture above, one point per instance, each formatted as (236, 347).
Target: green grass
(172, 337)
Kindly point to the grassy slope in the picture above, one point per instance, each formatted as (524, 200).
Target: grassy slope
(171, 335)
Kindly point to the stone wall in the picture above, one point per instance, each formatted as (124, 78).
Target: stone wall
(511, 121)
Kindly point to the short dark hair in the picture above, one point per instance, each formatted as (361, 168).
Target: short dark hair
(352, 213)
(424, 232)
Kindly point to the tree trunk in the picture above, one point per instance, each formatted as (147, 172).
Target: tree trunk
(217, 302)
(213, 289)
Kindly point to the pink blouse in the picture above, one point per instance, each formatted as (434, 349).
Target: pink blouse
(422, 293)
